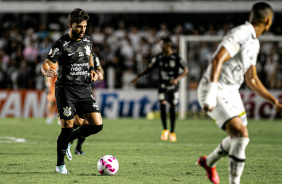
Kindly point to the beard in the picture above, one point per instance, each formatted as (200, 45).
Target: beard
(75, 34)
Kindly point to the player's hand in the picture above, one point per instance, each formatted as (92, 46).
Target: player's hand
(210, 98)
(134, 81)
(100, 75)
(51, 73)
(207, 108)
(210, 102)
(94, 76)
(278, 107)
(174, 81)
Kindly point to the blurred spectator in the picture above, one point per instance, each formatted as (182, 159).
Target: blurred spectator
(163, 32)
(98, 37)
(271, 69)
(25, 42)
(23, 77)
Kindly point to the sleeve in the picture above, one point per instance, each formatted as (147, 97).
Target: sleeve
(154, 62)
(234, 40)
(96, 60)
(55, 52)
(182, 63)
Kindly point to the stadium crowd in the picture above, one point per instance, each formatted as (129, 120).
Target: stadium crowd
(124, 49)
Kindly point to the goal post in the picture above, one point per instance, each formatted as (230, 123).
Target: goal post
(184, 41)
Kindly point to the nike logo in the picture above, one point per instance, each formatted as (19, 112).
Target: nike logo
(71, 54)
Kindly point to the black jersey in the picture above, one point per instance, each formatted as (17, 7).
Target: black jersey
(73, 59)
(169, 68)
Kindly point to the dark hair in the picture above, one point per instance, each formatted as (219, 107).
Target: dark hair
(166, 40)
(259, 12)
(77, 16)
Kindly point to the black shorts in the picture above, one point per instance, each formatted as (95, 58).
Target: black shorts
(73, 100)
(172, 96)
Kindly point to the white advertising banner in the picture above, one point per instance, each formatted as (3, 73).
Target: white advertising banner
(119, 103)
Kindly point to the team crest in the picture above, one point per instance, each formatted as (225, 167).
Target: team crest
(172, 63)
(67, 111)
(87, 48)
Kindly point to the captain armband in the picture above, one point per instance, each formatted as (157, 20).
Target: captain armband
(91, 68)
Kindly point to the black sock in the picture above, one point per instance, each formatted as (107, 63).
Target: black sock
(62, 144)
(163, 115)
(79, 143)
(85, 131)
(172, 118)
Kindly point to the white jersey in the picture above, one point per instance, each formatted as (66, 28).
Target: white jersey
(243, 47)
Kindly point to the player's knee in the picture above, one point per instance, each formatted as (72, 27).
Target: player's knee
(163, 102)
(94, 129)
(67, 123)
(244, 132)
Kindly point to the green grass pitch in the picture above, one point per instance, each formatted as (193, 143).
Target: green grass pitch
(143, 158)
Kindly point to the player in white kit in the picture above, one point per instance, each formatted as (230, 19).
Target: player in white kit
(218, 91)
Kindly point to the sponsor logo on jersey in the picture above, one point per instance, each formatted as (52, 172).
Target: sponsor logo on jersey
(67, 111)
(85, 40)
(172, 63)
(81, 54)
(66, 43)
(71, 54)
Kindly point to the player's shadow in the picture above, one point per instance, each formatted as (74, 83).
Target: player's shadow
(92, 174)
(25, 173)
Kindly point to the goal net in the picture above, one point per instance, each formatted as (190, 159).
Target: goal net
(198, 50)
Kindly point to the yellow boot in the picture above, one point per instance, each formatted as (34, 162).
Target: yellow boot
(164, 135)
(172, 137)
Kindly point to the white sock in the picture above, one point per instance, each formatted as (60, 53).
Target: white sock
(220, 151)
(237, 158)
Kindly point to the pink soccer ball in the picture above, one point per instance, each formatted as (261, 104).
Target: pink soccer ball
(108, 165)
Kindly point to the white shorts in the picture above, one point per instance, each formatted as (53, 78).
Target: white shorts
(229, 104)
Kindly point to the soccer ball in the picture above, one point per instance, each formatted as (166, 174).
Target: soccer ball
(108, 165)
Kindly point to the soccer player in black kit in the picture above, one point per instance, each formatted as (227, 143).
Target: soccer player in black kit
(73, 54)
(169, 65)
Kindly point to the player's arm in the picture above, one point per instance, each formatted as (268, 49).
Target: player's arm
(176, 80)
(255, 84)
(217, 62)
(93, 74)
(146, 71)
(154, 63)
(46, 69)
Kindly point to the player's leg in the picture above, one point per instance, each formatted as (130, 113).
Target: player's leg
(95, 125)
(63, 145)
(219, 152)
(227, 110)
(51, 109)
(77, 123)
(239, 142)
(66, 112)
(173, 98)
(89, 109)
(163, 113)
(165, 132)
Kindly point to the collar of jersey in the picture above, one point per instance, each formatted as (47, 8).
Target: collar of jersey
(253, 32)
(68, 36)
